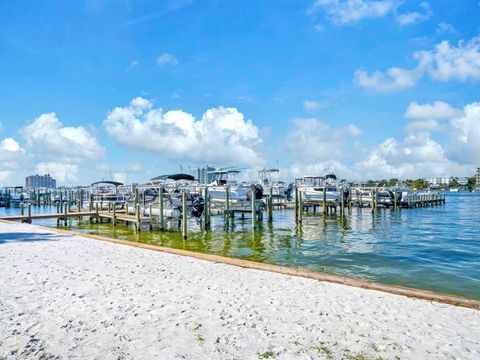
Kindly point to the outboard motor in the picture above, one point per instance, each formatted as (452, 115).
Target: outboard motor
(258, 192)
(198, 205)
(289, 191)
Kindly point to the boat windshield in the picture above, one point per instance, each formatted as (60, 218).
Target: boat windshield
(313, 180)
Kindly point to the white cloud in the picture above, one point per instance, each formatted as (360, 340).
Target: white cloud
(120, 177)
(47, 138)
(134, 167)
(460, 63)
(167, 59)
(312, 105)
(444, 27)
(394, 79)
(464, 144)
(419, 155)
(133, 64)
(62, 172)
(438, 110)
(443, 63)
(12, 159)
(10, 146)
(221, 136)
(350, 11)
(312, 140)
(416, 156)
(414, 17)
(298, 170)
(319, 27)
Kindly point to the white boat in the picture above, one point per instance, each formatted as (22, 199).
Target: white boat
(314, 188)
(223, 180)
(454, 189)
(172, 187)
(104, 193)
(18, 196)
(268, 179)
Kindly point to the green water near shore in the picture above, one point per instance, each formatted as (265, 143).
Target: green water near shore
(433, 248)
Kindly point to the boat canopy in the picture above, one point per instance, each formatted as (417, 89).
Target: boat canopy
(175, 177)
(115, 183)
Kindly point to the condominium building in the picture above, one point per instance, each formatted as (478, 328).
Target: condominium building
(439, 181)
(203, 175)
(40, 181)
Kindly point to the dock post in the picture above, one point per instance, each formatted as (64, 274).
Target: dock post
(270, 205)
(137, 216)
(207, 209)
(342, 203)
(184, 214)
(324, 201)
(96, 211)
(395, 200)
(29, 207)
(374, 195)
(150, 211)
(160, 209)
(360, 200)
(226, 211)
(22, 211)
(90, 205)
(253, 208)
(300, 206)
(114, 219)
(296, 203)
(65, 212)
(126, 208)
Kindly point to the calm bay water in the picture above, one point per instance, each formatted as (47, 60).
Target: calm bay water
(435, 248)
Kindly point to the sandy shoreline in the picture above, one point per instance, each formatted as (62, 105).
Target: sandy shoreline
(67, 296)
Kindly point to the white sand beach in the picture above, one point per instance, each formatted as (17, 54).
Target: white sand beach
(71, 297)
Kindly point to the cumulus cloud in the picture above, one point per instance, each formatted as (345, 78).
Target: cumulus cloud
(414, 16)
(311, 140)
(350, 11)
(464, 143)
(443, 63)
(47, 137)
(167, 59)
(444, 27)
(62, 172)
(437, 110)
(418, 154)
(312, 105)
(12, 158)
(394, 79)
(222, 135)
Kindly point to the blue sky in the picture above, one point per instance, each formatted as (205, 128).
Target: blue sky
(365, 88)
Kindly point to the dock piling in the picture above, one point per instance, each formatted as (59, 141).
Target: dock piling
(270, 205)
(184, 215)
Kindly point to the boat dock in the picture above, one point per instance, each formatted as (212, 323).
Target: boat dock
(143, 215)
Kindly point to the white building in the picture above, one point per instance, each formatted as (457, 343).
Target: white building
(462, 181)
(439, 181)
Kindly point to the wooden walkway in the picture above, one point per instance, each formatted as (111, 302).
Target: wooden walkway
(117, 216)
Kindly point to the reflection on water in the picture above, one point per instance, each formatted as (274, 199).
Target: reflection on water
(435, 248)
